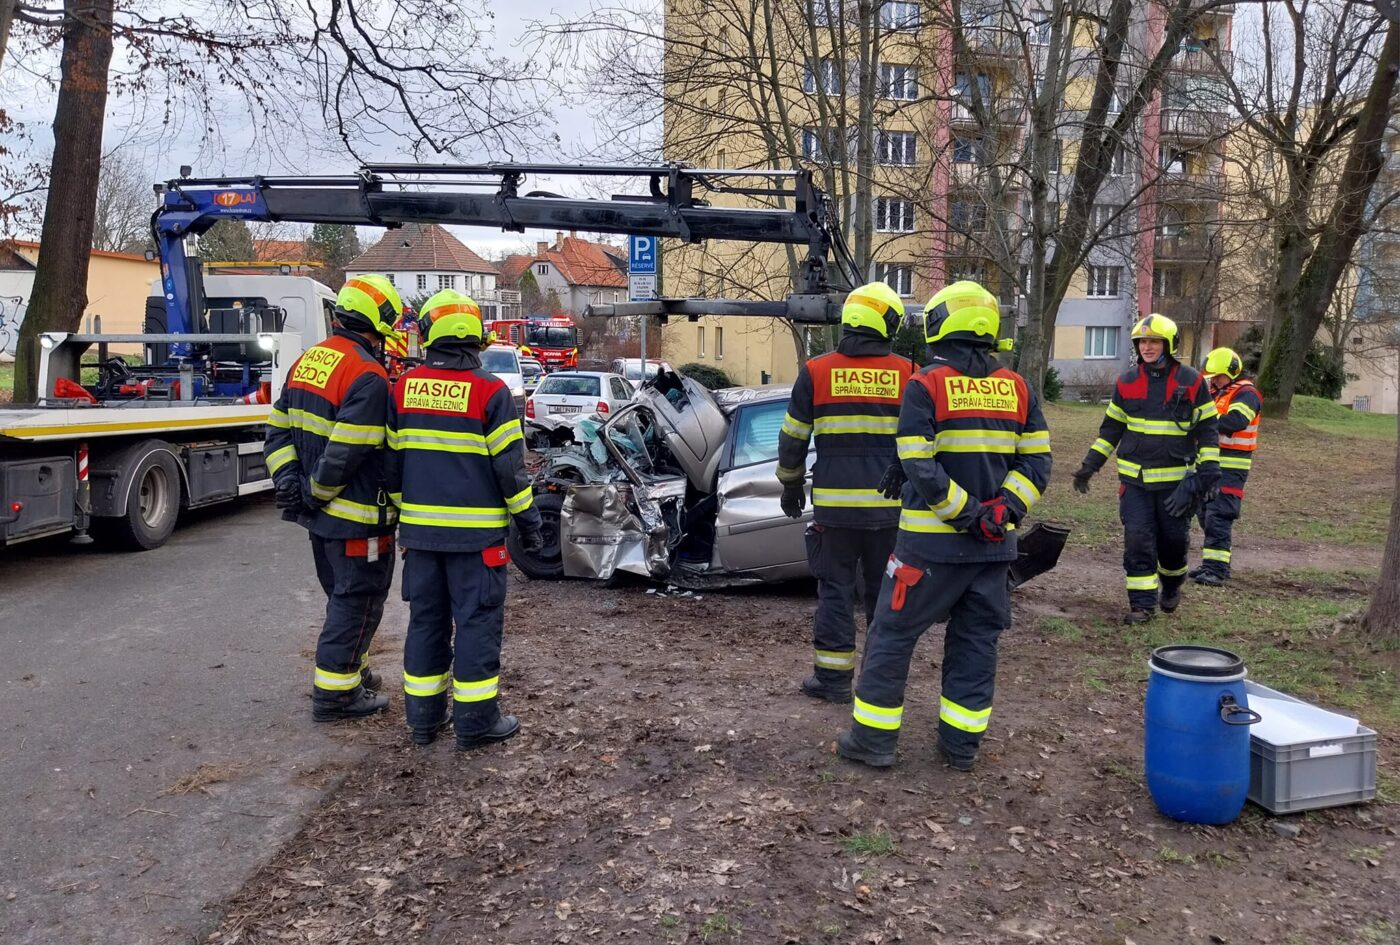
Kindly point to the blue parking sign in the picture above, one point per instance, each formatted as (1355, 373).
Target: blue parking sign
(641, 255)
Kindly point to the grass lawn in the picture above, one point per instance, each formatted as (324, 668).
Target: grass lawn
(1324, 475)
(7, 382)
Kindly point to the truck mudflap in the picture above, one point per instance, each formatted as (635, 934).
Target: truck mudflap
(601, 535)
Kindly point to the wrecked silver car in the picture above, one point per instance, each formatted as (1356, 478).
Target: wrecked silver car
(678, 485)
(681, 485)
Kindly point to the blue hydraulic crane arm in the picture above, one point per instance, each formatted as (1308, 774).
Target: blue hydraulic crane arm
(676, 205)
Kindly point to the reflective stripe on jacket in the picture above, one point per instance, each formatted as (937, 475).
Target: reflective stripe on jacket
(847, 402)
(964, 440)
(456, 455)
(1162, 422)
(327, 429)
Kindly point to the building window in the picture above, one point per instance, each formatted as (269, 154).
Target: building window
(967, 216)
(1023, 278)
(1166, 283)
(1103, 282)
(898, 276)
(826, 12)
(1038, 32)
(1057, 155)
(1100, 341)
(1172, 160)
(969, 149)
(830, 76)
(895, 148)
(1107, 219)
(894, 216)
(900, 83)
(542, 270)
(962, 89)
(899, 16)
(1118, 164)
(967, 269)
(699, 341)
(719, 343)
(1115, 104)
(824, 145)
(447, 282)
(390, 277)
(420, 282)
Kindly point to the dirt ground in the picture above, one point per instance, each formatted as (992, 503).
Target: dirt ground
(670, 785)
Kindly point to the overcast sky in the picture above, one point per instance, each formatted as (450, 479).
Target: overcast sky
(161, 143)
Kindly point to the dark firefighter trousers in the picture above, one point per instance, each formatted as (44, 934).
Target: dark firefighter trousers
(1218, 522)
(446, 588)
(1154, 545)
(845, 562)
(355, 590)
(975, 600)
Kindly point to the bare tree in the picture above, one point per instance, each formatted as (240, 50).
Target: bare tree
(415, 71)
(122, 222)
(1314, 101)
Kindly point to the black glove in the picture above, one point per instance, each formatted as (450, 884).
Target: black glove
(1183, 497)
(794, 499)
(990, 524)
(532, 540)
(1082, 477)
(288, 498)
(892, 482)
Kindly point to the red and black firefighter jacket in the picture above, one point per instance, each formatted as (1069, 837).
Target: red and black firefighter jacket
(456, 460)
(970, 431)
(327, 428)
(848, 401)
(1162, 422)
(1240, 405)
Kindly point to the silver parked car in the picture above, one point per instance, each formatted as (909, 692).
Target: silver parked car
(681, 485)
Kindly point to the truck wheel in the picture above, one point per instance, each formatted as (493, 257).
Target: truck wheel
(152, 505)
(547, 564)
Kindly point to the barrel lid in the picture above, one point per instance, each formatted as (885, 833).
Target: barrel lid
(1189, 660)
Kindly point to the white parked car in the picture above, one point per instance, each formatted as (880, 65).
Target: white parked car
(504, 362)
(578, 393)
(631, 368)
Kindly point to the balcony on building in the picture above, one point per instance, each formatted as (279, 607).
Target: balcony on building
(1193, 124)
(1181, 245)
(1186, 188)
(998, 42)
(1004, 116)
(1199, 59)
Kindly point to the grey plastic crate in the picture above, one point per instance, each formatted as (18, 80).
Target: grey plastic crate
(1307, 775)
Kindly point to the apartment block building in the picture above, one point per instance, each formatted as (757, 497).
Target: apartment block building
(954, 151)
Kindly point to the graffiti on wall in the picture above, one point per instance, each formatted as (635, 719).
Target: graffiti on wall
(11, 315)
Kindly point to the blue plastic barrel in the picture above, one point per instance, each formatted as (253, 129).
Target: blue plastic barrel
(1196, 740)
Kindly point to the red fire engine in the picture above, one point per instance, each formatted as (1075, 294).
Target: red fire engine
(553, 341)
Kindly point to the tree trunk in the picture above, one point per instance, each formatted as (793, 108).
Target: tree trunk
(60, 281)
(1382, 621)
(1303, 304)
(7, 19)
(865, 139)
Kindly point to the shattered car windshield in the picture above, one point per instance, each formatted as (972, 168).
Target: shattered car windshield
(629, 436)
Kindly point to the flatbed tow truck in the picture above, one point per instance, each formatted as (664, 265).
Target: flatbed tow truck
(184, 429)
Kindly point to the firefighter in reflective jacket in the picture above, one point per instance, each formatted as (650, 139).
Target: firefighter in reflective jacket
(325, 450)
(1239, 404)
(457, 474)
(974, 447)
(848, 401)
(1161, 421)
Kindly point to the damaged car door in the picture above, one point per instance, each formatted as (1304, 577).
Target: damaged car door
(753, 536)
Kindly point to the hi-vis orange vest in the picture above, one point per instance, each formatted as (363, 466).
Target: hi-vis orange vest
(1243, 440)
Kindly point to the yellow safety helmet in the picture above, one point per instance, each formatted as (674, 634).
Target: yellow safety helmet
(963, 308)
(1224, 361)
(1156, 326)
(372, 300)
(451, 316)
(874, 305)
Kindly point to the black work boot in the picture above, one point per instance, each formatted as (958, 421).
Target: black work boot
(1138, 615)
(818, 688)
(354, 704)
(1196, 571)
(847, 747)
(1171, 599)
(426, 736)
(1211, 578)
(371, 680)
(956, 762)
(506, 726)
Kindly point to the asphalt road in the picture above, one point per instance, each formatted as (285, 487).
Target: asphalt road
(121, 675)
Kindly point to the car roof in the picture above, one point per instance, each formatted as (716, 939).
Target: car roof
(583, 374)
(732, 398)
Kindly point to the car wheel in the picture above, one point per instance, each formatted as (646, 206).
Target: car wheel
(153, 504)
(547, 564)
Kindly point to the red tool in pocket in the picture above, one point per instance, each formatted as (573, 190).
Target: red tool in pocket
(905, 576)
(369, 548)
(497, 557)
